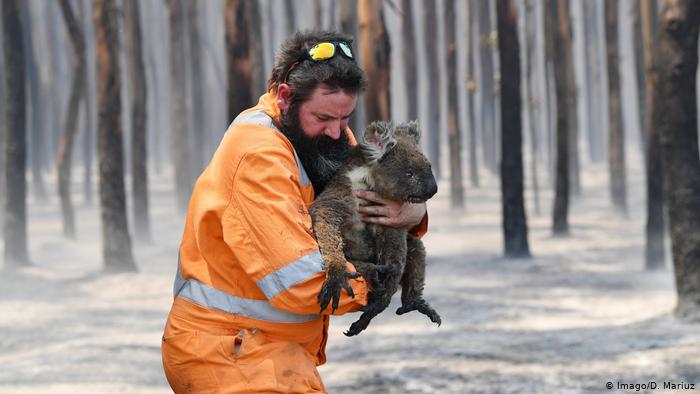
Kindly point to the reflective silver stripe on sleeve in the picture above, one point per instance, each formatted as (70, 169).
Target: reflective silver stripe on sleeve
(260, 118)
(291, 274)
(212, 298)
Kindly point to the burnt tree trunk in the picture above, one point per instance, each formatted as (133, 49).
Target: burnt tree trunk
(259, 82)
(198, 133)
(410, 58)
(89, 97)
(3, 91)
(533, 102)
(15, 226)
(471, 97)
(70, 128)
(654, 251)
(139, 94)
(238, 60)
(453, 129)
(116, 241)
(36, 125)
(184, 178)
(376, 50)
(558, 15)
(616, 151)
(116, 246)
(290, 16)
(514, 220)
(639, 72)
(317, 14)
(488, 110)
(550, 36)
(571, 102)
(434, 91)
(675, 117)
(348, 25)
(592, 68)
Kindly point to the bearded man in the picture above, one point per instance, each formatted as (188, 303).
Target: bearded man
(245, 316)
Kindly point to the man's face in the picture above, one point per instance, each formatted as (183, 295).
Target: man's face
(315, 129)
(326, 112)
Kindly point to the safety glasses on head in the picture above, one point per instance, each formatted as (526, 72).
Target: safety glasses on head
(322, 51)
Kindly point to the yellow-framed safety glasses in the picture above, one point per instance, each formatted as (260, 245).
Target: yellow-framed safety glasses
(322, 51)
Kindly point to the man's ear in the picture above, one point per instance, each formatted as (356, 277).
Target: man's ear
(284, 97)
(378, 139)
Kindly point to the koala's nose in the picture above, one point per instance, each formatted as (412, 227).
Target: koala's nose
(432, 187)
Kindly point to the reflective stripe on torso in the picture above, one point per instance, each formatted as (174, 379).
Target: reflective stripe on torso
(212, 298)
(273, 283)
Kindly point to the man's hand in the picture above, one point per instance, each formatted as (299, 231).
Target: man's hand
(388, 212)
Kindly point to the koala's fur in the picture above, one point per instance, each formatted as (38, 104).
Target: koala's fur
(389, 162)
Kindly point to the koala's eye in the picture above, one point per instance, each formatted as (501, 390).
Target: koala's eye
(409, 174)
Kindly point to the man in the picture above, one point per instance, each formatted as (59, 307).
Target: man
(245, 317)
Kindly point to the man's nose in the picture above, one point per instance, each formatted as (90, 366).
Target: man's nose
(333, 131)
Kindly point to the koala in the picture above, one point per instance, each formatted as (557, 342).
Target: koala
(389, 162)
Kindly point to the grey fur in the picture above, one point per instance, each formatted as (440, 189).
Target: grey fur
(388, 161)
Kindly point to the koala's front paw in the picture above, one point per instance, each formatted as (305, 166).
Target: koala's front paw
(422, 306)
(336, 281)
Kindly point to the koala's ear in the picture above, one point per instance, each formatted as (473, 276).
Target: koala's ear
(411, 130)
(378, 139)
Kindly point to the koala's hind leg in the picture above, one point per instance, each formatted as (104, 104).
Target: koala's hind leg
(391, 253)
(374, 274)
(413, 281)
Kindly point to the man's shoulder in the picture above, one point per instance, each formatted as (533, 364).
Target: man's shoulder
(254, 144)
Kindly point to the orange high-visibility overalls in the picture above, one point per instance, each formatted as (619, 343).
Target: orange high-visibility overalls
(245, 318)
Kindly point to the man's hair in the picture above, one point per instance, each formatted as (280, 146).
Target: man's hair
(338, 72)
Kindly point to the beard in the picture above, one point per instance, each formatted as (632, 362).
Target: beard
(321, 156)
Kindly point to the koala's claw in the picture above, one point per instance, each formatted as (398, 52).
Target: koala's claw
(332, 288)
(421, 306)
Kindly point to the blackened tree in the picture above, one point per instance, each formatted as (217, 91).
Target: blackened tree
(116, 243)
(675, 117)
(514, 220)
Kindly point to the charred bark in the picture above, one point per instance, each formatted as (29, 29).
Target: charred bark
(471, 97)
(514, 220)
(348, 25)
(184, 178)
(558, 15)
(89, 98)
(453, 127)
(488, 110)
(36, 109)
(70, 128)
(15, 227)
(533, 102)
(616, 151)
(239, 62)
(139, 94)
(675, 117)
(410, 57)
(434, 91)
(654, 255)
(115, 234)
(376, 50)
(198, 120)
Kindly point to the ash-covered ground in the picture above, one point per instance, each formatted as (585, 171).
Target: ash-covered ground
(581, 313)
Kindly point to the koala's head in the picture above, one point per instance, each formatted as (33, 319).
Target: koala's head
(397, 168)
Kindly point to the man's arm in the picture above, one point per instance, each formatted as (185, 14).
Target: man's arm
(279, 251)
